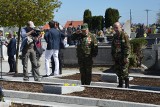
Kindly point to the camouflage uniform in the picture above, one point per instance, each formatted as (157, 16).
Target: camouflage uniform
(86, 49)
(120, 53)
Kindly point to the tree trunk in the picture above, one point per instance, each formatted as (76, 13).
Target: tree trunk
(17, 52)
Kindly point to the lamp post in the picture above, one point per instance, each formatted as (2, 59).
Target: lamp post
(147, 10)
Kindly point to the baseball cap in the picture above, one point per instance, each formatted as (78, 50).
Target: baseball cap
(84, 26)
(31, 24)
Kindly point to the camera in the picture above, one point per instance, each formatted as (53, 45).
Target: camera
(36, 33)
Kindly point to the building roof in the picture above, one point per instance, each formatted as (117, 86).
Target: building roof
(46, 26)
(73, 24)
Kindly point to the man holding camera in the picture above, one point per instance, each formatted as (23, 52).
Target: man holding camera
(28, 49)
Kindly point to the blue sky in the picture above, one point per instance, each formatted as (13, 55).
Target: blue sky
(74, 9)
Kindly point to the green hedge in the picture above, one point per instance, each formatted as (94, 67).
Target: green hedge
(136, 55)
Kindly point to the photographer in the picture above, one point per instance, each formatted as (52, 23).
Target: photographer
(37, 36)
(28, 49)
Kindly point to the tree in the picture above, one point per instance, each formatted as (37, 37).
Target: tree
(16, 13)
(87, 18)
(97, 22)
(111, 16)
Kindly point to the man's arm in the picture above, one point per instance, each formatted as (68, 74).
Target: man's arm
(46, 36)
(127, 47)
(24, 34)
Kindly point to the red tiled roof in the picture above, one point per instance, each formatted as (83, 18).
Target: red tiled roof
(73, 23)
(46, 26)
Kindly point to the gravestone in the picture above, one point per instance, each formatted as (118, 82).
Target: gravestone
(133, 35)
(149, 57)
(151, 41)
(127, 27)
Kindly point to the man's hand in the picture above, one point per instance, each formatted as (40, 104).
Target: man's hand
(126, 60)
(78, 32)
(29, 33)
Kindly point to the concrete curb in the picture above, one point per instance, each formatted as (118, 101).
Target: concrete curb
(73, 99)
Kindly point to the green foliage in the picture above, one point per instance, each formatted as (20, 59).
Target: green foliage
(97, 22)
(87, 18)
(111, 16)
(19, 12)
(136, 56)
(137, 44)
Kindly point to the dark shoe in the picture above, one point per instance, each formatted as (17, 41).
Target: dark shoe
(45, 76)
(25, 79)
(11, 73)
(37, 80)
(52, 74)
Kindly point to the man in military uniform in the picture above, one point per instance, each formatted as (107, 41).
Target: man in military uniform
(120, 53)
(86, 49)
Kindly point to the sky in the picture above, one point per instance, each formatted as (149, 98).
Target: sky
(73, 10)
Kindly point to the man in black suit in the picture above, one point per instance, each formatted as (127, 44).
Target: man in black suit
(11, 51)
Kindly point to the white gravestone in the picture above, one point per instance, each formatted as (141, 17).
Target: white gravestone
(127, 27)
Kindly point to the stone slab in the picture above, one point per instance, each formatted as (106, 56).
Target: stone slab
(58, 89)
(109, 77)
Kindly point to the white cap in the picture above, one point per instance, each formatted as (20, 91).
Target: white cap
(31, 24)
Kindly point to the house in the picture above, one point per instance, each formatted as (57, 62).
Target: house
(73, 24)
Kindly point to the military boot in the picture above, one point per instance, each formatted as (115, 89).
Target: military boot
(120, 83)
(126, 82)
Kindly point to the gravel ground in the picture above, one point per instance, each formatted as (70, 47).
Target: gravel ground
(133, 96)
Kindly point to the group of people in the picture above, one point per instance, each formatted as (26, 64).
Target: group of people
(32, 48)
(87, 48)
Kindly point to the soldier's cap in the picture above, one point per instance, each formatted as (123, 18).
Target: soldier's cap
(84, 26)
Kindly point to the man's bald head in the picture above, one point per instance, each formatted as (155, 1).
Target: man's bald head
(117, 27)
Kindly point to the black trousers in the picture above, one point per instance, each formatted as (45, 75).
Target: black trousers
(12, 63)
(60, 57)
